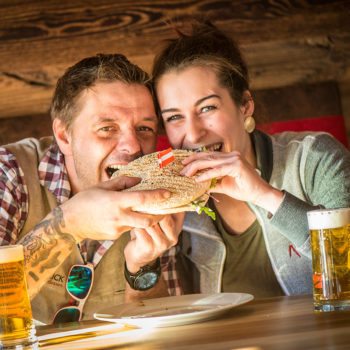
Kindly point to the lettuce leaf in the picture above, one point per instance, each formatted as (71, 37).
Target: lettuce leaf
(201, 208)
(213, 182)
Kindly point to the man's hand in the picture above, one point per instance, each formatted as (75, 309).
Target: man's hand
(98, 213)
(104, 213)
(148, 244)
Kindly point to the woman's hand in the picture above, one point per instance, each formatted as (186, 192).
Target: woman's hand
(235, 177)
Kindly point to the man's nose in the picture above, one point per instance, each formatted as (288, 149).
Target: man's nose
(195, 130)
(128, 142)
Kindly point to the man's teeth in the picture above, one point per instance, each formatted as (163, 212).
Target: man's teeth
(112, 169)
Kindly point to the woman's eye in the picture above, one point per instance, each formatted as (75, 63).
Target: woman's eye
(173, 118)
(207, 109)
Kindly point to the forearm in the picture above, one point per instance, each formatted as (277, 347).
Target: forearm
(159, 290)
(270, 199)
(45, 248)
(291, 217)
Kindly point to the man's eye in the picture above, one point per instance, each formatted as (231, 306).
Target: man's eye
(145, 128)
(106, 128)
(173, 118)
(207, 109)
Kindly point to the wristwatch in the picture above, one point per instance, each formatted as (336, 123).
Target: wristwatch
(145, 278)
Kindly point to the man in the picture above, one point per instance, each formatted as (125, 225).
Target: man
(57, 198)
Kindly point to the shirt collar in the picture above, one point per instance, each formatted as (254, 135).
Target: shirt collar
(264, 155)
(53, 173)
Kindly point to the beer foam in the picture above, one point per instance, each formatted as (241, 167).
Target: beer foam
(328, 218)
(10, 253)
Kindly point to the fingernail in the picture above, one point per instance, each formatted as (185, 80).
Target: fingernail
(166, 194)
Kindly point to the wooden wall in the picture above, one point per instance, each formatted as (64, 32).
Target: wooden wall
(293, 49)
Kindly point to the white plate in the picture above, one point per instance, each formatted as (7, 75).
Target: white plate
(173, 311)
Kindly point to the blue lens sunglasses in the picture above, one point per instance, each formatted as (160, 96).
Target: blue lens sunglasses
(78, 285)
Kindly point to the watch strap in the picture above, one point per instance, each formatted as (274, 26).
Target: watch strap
(131, 277)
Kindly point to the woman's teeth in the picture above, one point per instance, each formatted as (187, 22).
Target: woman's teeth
(212, 148)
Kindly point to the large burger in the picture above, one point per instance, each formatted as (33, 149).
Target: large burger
(161, 170)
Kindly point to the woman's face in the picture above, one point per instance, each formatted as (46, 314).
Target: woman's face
(198, 112)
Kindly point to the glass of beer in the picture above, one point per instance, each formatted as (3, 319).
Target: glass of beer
(17, 330)
(330, 241)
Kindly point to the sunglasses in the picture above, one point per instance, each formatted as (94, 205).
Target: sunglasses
(78, 285)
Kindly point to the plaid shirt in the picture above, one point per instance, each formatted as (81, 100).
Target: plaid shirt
(53, 175)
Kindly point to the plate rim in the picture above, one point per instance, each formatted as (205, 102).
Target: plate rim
(173, 319)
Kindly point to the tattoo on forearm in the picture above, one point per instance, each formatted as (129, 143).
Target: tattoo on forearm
(34, 276)
(52, 262)
(40, 243)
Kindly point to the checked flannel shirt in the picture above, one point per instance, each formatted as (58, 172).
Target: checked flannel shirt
(53, 175)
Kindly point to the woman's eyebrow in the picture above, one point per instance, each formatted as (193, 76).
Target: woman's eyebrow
(167, 110)
(206, 98)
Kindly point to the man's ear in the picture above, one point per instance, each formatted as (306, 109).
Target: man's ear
(62, 136)
(247, 107)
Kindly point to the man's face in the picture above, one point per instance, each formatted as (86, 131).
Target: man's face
(116, 123)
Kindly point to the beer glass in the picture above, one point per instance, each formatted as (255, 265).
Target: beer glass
(17, 330)
(330, 241)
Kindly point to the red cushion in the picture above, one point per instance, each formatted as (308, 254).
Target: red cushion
(162, 143)
(333, 124)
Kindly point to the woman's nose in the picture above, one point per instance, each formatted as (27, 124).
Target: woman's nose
(195, 130)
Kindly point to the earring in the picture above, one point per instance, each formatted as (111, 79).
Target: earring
(249, 124)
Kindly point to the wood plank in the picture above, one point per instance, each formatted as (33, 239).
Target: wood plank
(251, 20)
(14, 129)
(308, 60)
(285, 42)
(286, 323)
(272, 64)
(297, 102)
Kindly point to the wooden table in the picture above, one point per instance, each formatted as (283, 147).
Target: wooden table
(275, 323)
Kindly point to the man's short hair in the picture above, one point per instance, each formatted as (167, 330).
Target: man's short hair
(85, 74)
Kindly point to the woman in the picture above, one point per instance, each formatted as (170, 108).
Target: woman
(265, 184)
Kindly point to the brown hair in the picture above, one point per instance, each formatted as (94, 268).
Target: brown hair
(205, 45)
(85, 74)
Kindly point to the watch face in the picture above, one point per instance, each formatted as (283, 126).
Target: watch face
(146, 281)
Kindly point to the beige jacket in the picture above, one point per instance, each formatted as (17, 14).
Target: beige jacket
(109, 283)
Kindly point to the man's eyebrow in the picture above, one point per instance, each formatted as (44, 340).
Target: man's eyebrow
(113, 120)
(150, 118)
(103, 120)
(196, 104)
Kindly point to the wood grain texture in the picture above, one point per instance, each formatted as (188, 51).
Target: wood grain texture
(14, 129)
(285, 42)
(297, 102)
(287, 323)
